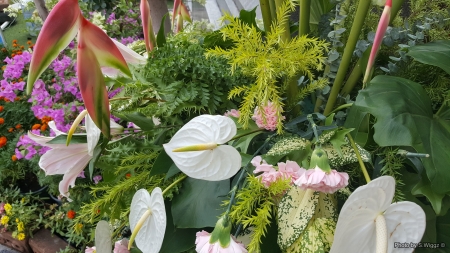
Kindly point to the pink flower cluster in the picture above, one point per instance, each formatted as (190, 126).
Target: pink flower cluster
(269, 174)
(204, 246)
(318, 180)
(233, 113)
(315, 179)
(119, 247)
(270, 112)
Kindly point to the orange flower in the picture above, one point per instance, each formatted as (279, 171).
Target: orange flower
(12, 55)
(20, 79)
(14, 45)
(3, 141)
(22, 47)
(29, 42)
(14, 41)
(14, 158)
(71, 214)
(2, 121)
(128, 175)
(16, 99)
(6, 100)
(4, 50)
(19, 53)
(36, 126)
(1, 108)
(43, 128)
(10, 130)
(18, 126)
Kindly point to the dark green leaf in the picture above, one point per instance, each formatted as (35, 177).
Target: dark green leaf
(436, 53)
(173, 170)
(198, 204)
(161, 37)
(162, 164)
(138, 119)
(62, 139)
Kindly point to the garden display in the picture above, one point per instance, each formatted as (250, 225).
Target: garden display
(323, 127)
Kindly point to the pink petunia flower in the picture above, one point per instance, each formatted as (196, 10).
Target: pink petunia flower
(271, 118)
(319, 180)
(204, 246)
(90, 250)
(269, 174)
(121, 246)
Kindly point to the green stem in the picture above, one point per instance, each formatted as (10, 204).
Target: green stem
(340, 108)
(242, 135)
(357, 72)
(314, 126)
(305, 9)
(358, 155)
(358, 22)
(174, 183)
(265, 11)
(273, 8)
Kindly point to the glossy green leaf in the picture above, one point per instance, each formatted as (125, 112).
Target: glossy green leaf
(161, 164)
(198, 204)
(138, 119)
(319, 8)
(405, 118)
(61, 139)
(436, 53)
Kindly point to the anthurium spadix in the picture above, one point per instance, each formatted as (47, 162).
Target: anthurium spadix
(149, 35)
(368, 222)
(381, 30)
(70, 160)
(197, 151)
(148, 220)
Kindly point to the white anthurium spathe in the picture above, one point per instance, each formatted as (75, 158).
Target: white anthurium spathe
(103, 235)
(369, 223)
(198, 152)
(68, 160)
(148, 220)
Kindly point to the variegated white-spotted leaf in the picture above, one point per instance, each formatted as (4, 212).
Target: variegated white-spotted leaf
(295, 210)
(405, 222)
(326, 206)
(103, 234)
(150, 237)
(219, 163)
(317, 237)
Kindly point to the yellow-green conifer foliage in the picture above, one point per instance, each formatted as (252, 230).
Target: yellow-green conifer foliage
(269, 60)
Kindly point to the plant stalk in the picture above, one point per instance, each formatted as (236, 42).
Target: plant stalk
(305, 13)
(174, 183)
(267, 17)
(358, 155)
(358, 22)
(287, 30)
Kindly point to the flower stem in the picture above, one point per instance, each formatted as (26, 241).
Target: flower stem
(358, 22)
(314, 126)
(173, 184)
(358, 155)
(305, 7)
(340, 108)
(242, 135)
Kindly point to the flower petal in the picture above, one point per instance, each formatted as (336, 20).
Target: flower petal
(61, 160)
(71, 175)
(150, 237)
(58, 31)
(176, 10)
(129, 55)
(185, 13)
(149, 35)
(104, 49)
(92, 86)
(405, 222)
(93, 134)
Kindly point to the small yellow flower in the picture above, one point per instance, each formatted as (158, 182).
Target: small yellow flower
(8, 208)
(4, 220)
(78, 228)
(17, 220)
(22, 200)
(20, 226)
(21, 236)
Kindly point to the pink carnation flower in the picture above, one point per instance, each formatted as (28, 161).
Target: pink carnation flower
(203, 245)
(318, 180)
(121, 246)
(90, 250)
(286, 170)
(2, 207)
(270, 113)
(233, 113)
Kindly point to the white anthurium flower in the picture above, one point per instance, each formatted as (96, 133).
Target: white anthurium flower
(103, 235)
(369, 223)
(197, 151)
(69, 160)
(148, 220)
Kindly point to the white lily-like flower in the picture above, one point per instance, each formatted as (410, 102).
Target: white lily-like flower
(67, 160)
(149, 213)
(197, 151)
(130, 57)
(368, 222)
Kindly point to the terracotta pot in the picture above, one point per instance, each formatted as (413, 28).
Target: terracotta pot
(21, 246)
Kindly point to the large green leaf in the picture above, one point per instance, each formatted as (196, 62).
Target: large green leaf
(198, 204)
(319, 8)
(405, 118)
(435, 53)
(138, 119)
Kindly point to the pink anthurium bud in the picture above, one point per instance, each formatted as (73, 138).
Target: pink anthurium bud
(381, 30)
(185, 13)
(176, 10)
(149, 35)
(179, 23)
(58, 31)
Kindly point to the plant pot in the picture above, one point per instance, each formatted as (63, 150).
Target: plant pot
(21, 246)
(44, 241)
